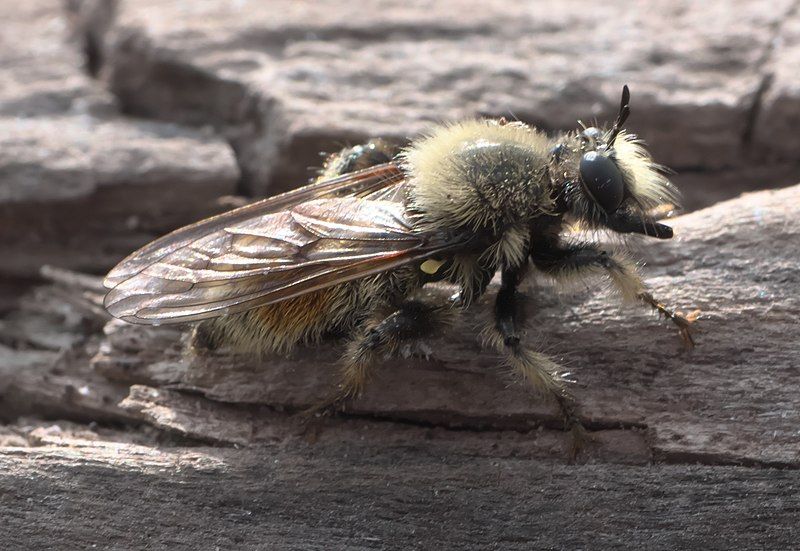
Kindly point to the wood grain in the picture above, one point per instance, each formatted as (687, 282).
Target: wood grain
(371, 496)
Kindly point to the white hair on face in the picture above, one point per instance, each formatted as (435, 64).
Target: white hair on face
(646, 180)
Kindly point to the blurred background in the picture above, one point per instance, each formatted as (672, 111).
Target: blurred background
(122, 119)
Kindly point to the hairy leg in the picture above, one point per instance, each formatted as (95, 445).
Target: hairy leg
(202, 339)
(542, 373)
(379, 337)
(585, 259)
(410, 321)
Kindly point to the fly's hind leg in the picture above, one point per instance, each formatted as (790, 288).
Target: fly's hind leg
(539, 371)
(411, 321)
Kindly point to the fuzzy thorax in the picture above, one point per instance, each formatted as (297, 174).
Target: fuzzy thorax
(479, 175)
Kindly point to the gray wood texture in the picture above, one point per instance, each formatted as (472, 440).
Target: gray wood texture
(78, 493)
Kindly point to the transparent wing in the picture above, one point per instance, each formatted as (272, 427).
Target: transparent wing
(357, 184)
(272, 256)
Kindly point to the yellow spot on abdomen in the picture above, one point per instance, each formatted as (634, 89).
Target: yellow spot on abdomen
(431, 266)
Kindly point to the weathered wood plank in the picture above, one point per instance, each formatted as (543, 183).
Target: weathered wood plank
(731, 400)
(45, 348)
(370, 495)
(197, 418)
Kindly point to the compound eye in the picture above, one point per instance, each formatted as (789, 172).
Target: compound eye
(602, 180)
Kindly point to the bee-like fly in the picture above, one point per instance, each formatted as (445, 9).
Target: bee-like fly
(348, 253)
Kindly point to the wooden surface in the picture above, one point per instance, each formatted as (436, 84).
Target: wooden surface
(731, 400)
(445, 451)
(368, 495)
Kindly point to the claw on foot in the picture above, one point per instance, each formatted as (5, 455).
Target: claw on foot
(331, 404)
(316, 410)
(579, 437)
(416, 349)
(682, 322)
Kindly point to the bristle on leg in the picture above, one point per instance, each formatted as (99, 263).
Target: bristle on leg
(411, 321)
(575, 261)
(541, 373)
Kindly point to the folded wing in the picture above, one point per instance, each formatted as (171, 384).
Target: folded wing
(267, 257)
(376, 179)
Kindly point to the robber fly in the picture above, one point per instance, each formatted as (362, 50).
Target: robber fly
(347, 254)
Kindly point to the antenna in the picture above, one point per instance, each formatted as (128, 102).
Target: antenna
(624, 111)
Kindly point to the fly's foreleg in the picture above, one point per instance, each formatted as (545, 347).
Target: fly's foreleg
(580, 260)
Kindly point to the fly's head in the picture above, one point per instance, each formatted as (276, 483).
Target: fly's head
(607, 178)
